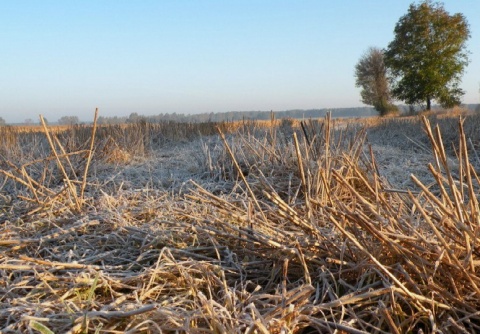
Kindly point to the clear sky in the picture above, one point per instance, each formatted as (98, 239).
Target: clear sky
(67, 57)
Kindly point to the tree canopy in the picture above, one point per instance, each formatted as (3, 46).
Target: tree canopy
(371, 76)
(428, 55)
(68, 120)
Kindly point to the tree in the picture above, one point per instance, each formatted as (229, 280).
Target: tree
(133, 118)
(371, 76)
(2, 121)
(68, 120)
(136, 118)
(428, 55)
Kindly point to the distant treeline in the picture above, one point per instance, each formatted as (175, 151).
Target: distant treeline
(243, 115)
(240, 115)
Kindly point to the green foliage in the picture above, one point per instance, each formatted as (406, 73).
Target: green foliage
(40, 327)
(371, 76)
(428, 55)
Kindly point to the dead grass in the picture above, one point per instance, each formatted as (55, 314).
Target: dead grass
(283, 228)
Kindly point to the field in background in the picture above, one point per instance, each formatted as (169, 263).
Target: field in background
(276, 226)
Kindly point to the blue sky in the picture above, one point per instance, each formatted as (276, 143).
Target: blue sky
(68, 57)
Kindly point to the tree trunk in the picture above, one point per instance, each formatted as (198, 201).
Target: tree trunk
(429, 106)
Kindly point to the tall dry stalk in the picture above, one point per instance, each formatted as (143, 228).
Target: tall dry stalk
(43, 196)
(90, 154)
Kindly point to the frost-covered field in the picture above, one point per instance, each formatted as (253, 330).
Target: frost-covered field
(273, 227)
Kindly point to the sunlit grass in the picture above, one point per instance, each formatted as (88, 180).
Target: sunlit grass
(285, 225)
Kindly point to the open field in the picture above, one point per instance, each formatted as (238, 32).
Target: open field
(366, 226)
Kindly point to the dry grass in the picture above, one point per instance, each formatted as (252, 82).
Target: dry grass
(284, 228)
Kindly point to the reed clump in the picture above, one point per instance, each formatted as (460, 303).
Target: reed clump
(291, 229)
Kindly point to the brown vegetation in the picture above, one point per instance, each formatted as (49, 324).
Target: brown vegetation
(282, 228)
